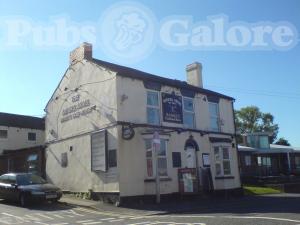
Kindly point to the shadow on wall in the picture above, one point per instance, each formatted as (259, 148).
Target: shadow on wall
(62, 161)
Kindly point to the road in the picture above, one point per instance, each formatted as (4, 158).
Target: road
(272, 210)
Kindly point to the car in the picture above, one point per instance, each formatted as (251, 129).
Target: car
(27, 188)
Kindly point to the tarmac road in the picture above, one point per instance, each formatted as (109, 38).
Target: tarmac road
(267, 210)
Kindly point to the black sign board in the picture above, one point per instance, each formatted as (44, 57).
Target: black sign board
(172, 108)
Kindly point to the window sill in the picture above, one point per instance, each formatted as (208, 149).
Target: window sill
(148, 180)
(224, 177)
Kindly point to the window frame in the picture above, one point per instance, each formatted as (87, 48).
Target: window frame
(108, 158)
(248, 160)
(297, 162)
(31, 133)
(220, 161)
(176, 164)
(217, 117)
(158, 107)
(2, 137)
(185, 111)
(152, 159)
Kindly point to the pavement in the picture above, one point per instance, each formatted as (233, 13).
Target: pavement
(264, 204)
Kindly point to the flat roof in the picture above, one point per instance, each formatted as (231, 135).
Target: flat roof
(272, 150)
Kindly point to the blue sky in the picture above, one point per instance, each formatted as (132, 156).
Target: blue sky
(267, 79)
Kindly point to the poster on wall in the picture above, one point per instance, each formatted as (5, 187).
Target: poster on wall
(187, 183)
(99, 151)
(206, 160)
(172, 108)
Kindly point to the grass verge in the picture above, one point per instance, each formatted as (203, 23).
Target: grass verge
(256, 190)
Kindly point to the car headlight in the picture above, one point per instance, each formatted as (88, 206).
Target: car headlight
(37, 192)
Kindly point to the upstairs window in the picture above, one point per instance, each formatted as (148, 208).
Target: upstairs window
(188, 113)
(214, 116)
(258, 141)
(31, 136)
(3, 134)
(153, 109)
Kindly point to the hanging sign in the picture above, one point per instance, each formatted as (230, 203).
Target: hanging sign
(172, 108)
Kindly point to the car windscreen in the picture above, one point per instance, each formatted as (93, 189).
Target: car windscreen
(28, 179)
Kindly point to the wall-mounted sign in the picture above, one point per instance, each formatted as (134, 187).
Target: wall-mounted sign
(99, 151)
(172, 108)
(78, 109)
(127, 132)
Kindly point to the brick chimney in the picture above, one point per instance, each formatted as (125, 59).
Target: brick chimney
(84, 51)
(194, 74)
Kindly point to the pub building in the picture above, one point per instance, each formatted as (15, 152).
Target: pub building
(102, 119)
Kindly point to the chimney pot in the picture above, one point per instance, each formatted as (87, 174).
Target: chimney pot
(194, 74)
(84, 51)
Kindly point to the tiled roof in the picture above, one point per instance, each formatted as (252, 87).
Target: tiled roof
(21, 121)
(137, 74)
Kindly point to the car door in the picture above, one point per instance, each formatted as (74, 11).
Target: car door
(3, 186)
(12, 190)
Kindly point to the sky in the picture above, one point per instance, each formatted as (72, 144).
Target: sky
(268, 79)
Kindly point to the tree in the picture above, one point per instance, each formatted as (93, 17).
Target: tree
(250, 119)
(282, 141)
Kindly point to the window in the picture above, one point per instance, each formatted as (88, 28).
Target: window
(112, 158)
(297, 162)
(32, 161)
(153, 110)
(162, 158)
(264, 142)
(31, 136)
(4, 179)
(247, 160)
(188, 112)
(214, 116)
(222, 161)
(264, 161)
(3, 134)
(12, 179)
(176, 157)
(259, 160)
(64, 159)
(258, 141)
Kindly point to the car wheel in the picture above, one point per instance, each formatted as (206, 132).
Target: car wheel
(54, 200)
(23, 200)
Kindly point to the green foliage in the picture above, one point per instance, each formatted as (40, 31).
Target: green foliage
(282, 141)
(254, 190)
(250, 119)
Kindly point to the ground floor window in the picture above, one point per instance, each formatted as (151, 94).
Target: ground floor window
(222, 161)
(112, 158)
(247, 160)
(297, 162)
(264, 161)
(162, 158)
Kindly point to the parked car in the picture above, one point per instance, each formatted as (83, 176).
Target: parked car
(27, 188)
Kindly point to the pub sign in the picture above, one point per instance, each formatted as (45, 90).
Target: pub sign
(172, 108)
